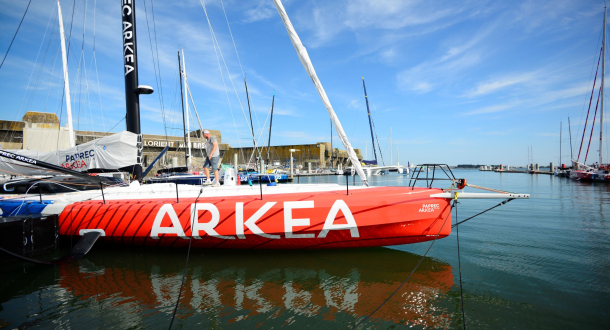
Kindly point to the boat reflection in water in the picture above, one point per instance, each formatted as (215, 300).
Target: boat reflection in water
(264, 288)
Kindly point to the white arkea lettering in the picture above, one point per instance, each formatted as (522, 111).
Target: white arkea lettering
(251, 222)
(176, 226)
(128, 69)
(127, 47)
(289, 222)
(126, 25)
(208, 227)
(330, 219)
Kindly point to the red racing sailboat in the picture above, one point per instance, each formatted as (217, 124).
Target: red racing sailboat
(249, 217)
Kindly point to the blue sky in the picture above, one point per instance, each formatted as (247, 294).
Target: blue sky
(457, 81)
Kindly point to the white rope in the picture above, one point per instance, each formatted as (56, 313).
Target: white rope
(260, 135)
(238, 60)
(231, 33)
(99, 92)
(223, 59)
(27, 88)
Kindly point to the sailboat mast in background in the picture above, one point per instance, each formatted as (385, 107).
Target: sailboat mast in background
(368, 110)
(64, 59)
(187, 128)
(601, 116)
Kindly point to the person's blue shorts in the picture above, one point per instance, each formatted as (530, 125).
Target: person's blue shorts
(212, 163)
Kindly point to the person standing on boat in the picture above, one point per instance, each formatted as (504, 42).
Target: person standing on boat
(213, 155)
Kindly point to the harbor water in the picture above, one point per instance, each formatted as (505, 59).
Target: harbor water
(542, 263)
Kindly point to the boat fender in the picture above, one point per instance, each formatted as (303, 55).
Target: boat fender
(461, 183)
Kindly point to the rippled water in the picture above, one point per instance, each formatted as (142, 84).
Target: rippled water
(542, 263)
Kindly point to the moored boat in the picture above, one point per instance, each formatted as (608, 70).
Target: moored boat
(251, 217)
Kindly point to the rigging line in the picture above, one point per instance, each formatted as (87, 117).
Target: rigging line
(599, 39)
(37, 76)
(71, 24)
(115, 125)
(593, 124)
(188, 89)
(590, 100)
(155, 66)
(82, 65)
(375, 129)
(152, 9)
(476, 215)
(408, 277)
(15, 35)
(32, 75)
(46, 105)
(223, 59)
(99, 92)
(457, 234)
(259, 137)
(188, 254)
(237, 54)
(224, 84)
(231, 33)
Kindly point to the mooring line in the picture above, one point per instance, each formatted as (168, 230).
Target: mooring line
(457, 233)
(408, 277)
(188, 254)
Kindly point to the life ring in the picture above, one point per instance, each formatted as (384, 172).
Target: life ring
(461, 183)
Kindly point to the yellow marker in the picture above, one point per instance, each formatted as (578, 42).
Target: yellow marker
(455, 197)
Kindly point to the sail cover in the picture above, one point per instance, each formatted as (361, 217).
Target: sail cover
(304, 57)
(110, 153)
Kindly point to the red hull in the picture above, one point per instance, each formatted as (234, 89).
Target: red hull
(590, 176)
(366, 217)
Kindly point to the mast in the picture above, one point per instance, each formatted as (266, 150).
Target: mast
(188, 125)
(62, 36)
(368, 110)
(391, 147)
(570, 130)
(183, 120)
(132, 89)
(332, 151)
(601, 117)
(560, 128)
(308, 66)
(270, 125)
(250, 112)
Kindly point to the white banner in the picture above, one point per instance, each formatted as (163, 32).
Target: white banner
(110, 152)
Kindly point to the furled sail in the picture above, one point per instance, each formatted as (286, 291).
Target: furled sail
(107, 153)
(304, 57)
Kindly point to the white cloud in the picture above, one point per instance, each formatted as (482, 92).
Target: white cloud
(263, 11)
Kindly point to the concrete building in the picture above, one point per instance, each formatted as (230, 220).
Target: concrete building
(41, 131)
(319, 155)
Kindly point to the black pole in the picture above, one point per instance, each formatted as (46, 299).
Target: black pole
(177, 197)
(270, 125)
(370, 122)
(250, 111)
(186, 161)
(132, 94)
(260, 184)
(102, 189)
(570, 129)
(347, 184)
(332, 151)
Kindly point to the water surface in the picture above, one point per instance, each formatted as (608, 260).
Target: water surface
(542, 263)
